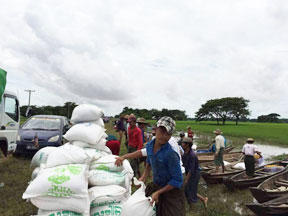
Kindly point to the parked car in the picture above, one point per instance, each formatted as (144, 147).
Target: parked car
(40, 131)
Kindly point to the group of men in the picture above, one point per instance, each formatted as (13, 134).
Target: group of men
(164, 157)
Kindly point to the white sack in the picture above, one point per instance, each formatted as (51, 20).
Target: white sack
(240, 166)
(61, 187)
(104, 150)
(226, 163)
(67, 154)
(59, 213)
(101, 145)
(35, 173)
(41, 156)
(86, 113)
(85, 132)
(99, 122)
(104, 195)
(138, 204)
(106, 163)
(102, 177)
(107, 210)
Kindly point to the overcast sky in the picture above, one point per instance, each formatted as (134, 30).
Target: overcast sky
(173, 54)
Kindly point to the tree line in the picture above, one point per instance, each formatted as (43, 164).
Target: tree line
(220, 110)
(154, 113)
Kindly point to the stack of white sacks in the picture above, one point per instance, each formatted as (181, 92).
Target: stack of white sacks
(80, 178)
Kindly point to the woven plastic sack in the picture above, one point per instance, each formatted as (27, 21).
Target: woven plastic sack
(86, 113)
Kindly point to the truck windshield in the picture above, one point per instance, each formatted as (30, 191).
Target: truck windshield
(42, 124)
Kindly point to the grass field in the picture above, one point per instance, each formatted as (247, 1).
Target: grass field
(272, 133)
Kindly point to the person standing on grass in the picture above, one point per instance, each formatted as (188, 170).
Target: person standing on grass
(190, 133)
(166, 188)
(192, 171)
(249, 149)
(120, 127)
(218, 155)
(135, 142)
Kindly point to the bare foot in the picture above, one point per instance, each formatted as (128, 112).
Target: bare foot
(205, 202)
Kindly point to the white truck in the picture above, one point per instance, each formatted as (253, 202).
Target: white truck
(9, 122)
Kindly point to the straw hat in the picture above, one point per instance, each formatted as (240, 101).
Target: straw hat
(141, 121)
(217, 131)
(250, 140)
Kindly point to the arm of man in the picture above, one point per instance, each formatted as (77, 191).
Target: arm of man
(136, 154)
(155, 195)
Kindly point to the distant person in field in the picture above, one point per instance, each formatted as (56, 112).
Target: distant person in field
(120, 127)
(218, 155)
(135, 142)
(126, 130)
(190, 133)
(249, 149)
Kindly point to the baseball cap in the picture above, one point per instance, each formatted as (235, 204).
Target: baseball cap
(168, 123)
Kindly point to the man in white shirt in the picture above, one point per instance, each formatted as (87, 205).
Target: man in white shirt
(249, 149)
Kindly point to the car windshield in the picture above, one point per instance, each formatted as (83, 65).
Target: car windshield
(42, 124)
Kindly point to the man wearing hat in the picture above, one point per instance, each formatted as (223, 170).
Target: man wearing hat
(249, 149)
(166, 189)
(135, 142)
(218, 155)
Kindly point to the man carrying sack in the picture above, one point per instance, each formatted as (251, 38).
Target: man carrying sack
(166, 189)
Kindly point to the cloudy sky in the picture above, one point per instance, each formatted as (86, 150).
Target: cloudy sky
(174, 54)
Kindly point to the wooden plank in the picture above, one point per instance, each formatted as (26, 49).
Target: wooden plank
(281, 183)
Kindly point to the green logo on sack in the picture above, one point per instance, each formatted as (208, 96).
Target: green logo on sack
(65, 213)
(114, 210)
(75, 170)
(102, 167)
(58, 179)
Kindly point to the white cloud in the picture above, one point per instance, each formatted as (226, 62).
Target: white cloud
(147, 54)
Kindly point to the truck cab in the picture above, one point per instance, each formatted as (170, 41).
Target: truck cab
(9, 122)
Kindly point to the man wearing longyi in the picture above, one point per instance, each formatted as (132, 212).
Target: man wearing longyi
(166, 188)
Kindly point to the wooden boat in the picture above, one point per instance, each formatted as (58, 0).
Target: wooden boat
(209, 152)
(226, 157)
(206, 166)
(241, 180)
(274, 187)
(211, 177)
(278, 206)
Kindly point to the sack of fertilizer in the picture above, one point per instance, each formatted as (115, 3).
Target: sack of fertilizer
(99, 122)
(86, 132)
(61, 187)
(108, 210)
(95, 153)
(67, 154)
(59, 213)
(86, 113)
(104, 195)
(41, 156)
(35, 173)
(138, 204)
(101, 145)
(103, 177)
(106, 163)
(240, 166)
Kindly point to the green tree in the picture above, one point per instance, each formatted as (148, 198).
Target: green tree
(223, 109)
